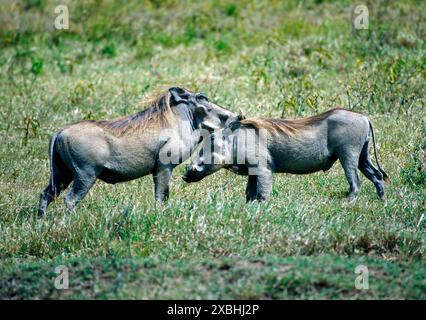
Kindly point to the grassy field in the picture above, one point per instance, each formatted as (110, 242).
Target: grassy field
(271, 58)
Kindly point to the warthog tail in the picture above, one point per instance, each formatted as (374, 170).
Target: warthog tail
(385, 176)
(51, 155)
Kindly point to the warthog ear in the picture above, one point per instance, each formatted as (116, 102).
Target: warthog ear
(178, 95)
(241, 116)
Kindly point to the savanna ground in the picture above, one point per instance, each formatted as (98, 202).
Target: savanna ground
(270, 58)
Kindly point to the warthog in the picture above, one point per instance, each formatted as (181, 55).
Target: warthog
(259, 147)
(152, 141)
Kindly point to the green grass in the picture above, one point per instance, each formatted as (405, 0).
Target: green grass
(223, 278)
(278, 59)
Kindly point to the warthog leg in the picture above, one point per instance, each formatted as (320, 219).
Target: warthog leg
(162, 177)
(80, 187)
(370, 171)
(46, 198)
(48, 195)
(251, 190)
(60, 181)
(350, 166)
(264, 184)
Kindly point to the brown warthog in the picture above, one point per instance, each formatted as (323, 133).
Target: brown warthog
(152, 141)
(258, 147)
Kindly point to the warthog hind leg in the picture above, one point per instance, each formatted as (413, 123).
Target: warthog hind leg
(80, 187)
(60, 181)
(46, 198)
(370, 171)
(350, 166)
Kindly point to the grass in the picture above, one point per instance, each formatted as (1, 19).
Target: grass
(223, 278)
(278, 59)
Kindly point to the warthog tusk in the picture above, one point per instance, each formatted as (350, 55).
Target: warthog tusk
(210, 125)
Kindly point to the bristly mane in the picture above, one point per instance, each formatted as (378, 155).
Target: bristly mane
(290, 127)
(158, 113)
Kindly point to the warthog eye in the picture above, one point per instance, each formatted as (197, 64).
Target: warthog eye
(201, 97)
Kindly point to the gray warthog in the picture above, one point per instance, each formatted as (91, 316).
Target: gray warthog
(152, 141)
(258, 147)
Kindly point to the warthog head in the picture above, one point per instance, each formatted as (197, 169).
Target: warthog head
(211, 116)
(214, 155)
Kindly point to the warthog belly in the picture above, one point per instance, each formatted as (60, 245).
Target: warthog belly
(112, 176)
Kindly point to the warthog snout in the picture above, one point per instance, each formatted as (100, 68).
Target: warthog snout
(192, 174)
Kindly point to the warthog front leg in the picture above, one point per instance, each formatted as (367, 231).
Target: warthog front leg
(264, 184)
(162, 181)
(251, 190)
